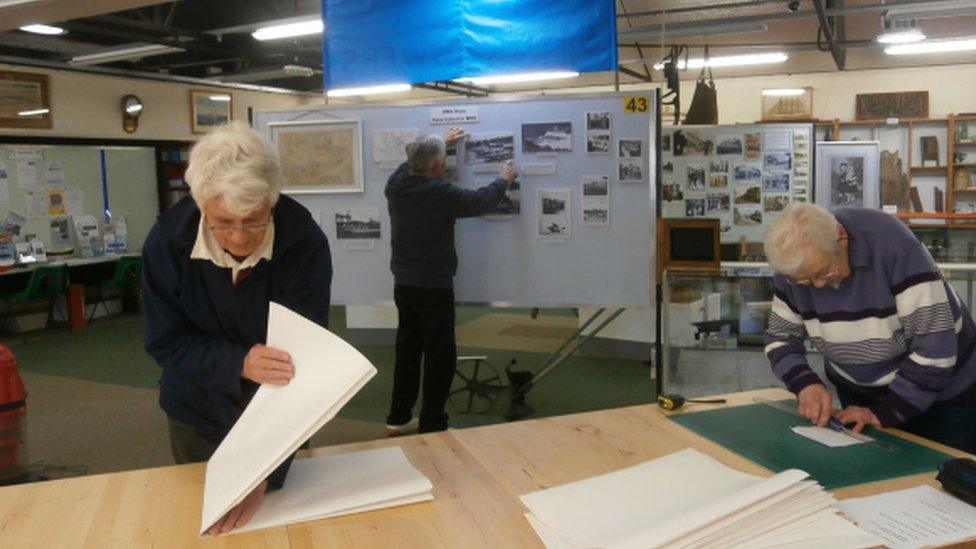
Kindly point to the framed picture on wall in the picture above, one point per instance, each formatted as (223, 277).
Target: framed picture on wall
(787, 104)
(209, 109)
(24, 100)
(848, 174)
(320, 156)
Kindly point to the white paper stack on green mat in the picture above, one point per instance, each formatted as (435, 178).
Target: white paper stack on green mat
(328, 372)
(688, 499)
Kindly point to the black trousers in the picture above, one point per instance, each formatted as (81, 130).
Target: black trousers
(426, 330)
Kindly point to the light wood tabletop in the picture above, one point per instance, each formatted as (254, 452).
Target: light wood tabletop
(477, 474)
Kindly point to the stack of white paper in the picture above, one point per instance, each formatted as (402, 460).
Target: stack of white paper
(328, 372)
(330, 486)
(688, 499)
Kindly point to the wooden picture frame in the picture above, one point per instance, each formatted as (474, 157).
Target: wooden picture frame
(900, 105)
(788, 108)
(24, 92)
(320, 156)
(671, 233)
(206, 113)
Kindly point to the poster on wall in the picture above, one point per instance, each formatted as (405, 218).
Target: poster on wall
(847, 174)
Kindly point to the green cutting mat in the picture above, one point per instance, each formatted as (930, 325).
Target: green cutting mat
(762, 433)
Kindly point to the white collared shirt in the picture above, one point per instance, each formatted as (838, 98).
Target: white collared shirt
(206, 247)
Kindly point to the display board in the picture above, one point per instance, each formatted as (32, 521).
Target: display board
(578, 231)
(742, 174)
(44, 182)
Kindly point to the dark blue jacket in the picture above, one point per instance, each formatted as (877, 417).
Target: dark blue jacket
(199, 327)
(422, 214)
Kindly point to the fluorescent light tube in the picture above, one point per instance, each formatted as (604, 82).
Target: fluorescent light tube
(902, 37)
(784, 92)
(368, 90)
(732, 60)
(220, 97)
(289, 30)
(932, 46)
(43, 29)
(518, 77)
(122, 54)
(34, 112)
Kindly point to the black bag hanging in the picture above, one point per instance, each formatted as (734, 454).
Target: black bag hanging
(704, 104)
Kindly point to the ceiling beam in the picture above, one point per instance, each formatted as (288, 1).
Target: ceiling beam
(51, 11)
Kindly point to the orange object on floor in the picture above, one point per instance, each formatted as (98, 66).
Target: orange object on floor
(76, 306)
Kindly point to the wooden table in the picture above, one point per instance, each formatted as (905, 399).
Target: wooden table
(477, 473)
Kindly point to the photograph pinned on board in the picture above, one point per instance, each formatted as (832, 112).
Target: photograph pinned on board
(718, 203)
(748, 195)
(547, 137)
(595, 185)
(778, 161)
(776, 182)
(748, 215)
(690, 143)
(489, 148)
(666, 143)
(671, 191)
(753, 145)
(598, 120)
(695, 207)
(729, 145)
(595, 212)
(746, 173)
(630, 148)
(718, 166)
(509, 205)
(630, 171)
(718, 181)
(668, 167)
(597, 143)
(696, 177)
(357, 223)
(774, 203)
(553, 213)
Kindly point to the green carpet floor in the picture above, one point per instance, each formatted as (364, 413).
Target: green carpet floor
(112, 353)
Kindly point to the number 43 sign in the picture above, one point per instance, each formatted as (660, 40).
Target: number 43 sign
(634, 104)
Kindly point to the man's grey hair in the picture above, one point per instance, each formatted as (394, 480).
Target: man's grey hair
(423, 151)
(797, 228)
(239, 165)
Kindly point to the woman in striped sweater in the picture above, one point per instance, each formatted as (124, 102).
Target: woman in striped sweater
(897, 340)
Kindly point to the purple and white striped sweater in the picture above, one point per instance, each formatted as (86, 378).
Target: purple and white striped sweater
(894, 331)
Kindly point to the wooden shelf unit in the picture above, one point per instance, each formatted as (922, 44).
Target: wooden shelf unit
(954, 121)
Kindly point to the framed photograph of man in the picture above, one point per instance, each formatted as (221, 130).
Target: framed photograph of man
(847, 174)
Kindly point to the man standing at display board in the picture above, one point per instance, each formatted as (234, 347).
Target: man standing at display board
(423, 208)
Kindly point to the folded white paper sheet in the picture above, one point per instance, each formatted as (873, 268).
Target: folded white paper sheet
(328, 372)
(330, 486)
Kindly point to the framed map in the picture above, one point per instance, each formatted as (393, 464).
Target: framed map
(321, 156)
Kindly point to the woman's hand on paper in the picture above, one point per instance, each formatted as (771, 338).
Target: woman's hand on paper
(859, 416)
(815, 404)
(265, 364)
(240, 514)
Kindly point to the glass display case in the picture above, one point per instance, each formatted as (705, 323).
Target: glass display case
(712, 327)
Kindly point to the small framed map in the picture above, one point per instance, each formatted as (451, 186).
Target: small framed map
(320, 156)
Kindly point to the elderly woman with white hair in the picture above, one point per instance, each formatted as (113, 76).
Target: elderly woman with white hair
(213, 262)
(897, 340)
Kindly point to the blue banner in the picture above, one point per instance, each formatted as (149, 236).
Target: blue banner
(374, 42)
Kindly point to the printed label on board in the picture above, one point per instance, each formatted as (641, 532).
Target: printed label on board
(454, 115)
